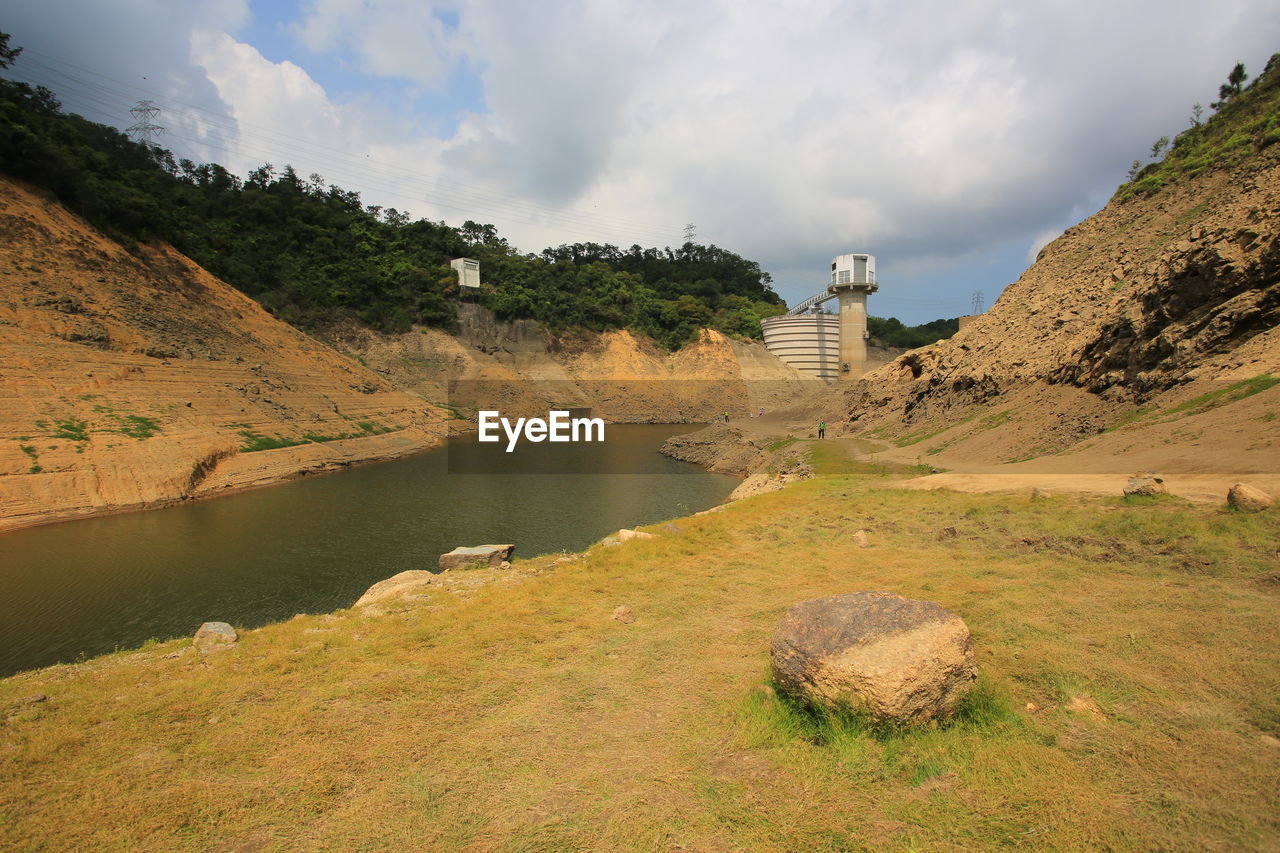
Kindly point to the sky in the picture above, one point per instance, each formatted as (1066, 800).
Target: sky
(952, 140)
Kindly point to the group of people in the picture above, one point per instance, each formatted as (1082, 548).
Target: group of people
(822, 424)
(761, 415)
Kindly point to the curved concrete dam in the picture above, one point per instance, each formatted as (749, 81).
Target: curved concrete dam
(808, 342)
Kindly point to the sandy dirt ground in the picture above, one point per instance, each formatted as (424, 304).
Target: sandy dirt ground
(1198, 476)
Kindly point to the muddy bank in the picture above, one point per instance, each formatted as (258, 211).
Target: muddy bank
(765, 464)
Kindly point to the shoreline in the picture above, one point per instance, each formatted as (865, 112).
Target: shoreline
(13, 524)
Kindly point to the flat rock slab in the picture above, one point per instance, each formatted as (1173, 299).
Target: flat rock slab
(1146, 484)
(476, 556)
(214, 635)
(892, 657)
(395, 586)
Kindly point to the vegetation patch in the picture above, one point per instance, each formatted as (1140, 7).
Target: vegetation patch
(782, 442)
(139, 426)
(1221, 397)
(254, 441)
(71, 428)
(928, 433)
(1129, 417)
(1247, 120)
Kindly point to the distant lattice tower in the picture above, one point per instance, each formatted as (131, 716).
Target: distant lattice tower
(853, 278)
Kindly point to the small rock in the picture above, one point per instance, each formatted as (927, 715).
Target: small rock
(475, 556)
(1246, 498)
(625, 535)
(622, 613)
(1146, 484)
(717, 508)
(860, 539)
(1032, 707)
(504, 565)
(212, 636)
(1038, 494)
(672, 529)
(947, 533)
(892, 657)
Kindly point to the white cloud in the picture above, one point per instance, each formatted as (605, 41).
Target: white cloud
(933, 135)
(390, 38)
(1041, 240)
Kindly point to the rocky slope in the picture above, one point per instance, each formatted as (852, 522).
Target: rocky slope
(1151, 329)
(131, 380)
(522, 368)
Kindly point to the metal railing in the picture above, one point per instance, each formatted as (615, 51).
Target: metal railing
(812, 302)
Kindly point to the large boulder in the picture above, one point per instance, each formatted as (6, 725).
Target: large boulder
(476, 557)
(1246, 498)
(214, 635)
(1146, 484)
(395, 587)
(892, 657)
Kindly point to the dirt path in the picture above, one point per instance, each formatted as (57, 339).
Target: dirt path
(1046, 474)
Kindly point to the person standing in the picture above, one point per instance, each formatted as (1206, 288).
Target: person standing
(822, 429)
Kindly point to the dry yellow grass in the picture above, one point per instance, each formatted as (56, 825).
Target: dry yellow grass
(1146, 638)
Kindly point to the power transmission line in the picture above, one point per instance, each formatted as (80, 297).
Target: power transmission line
(977, 302)
(435, 190)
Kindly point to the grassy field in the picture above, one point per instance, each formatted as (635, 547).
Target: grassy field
(1128, 699)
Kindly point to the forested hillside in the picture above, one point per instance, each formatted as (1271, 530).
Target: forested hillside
(313, 253)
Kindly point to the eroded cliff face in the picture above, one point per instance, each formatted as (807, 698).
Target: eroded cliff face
(522, 368)
(133, 380)
(1144, 320)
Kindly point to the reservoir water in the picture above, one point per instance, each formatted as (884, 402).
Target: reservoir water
(87, 587)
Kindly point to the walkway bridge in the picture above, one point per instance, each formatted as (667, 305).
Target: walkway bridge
(812, 302)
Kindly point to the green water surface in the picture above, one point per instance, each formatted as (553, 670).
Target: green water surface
(86, 587)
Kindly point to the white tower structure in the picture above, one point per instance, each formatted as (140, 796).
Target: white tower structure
(853, 277)
(468, 272)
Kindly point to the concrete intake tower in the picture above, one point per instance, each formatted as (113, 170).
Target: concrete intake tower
(802, 337)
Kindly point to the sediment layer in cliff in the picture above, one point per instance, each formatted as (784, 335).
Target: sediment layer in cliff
(138, 379)
(522, 368)
(134, 378)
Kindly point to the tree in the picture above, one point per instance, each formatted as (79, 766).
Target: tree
(1233, 87)
(1196, 112)
(7, 54)
(1158, 147)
